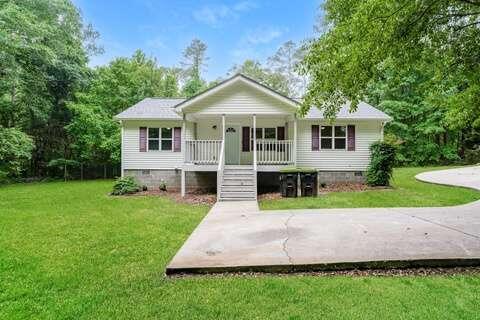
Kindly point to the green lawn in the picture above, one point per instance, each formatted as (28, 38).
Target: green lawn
(406, 192)
(67, 250)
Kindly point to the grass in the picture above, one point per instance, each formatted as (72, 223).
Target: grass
(69, 251)
(406, 192)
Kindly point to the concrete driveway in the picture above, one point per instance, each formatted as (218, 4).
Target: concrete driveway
(236, 236)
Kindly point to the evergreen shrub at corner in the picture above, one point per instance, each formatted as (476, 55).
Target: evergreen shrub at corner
(381, 164)
(125, 185)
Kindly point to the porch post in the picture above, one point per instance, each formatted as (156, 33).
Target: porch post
(254, 142)
(183, 183)
(223, 127)
(295, 140)
(183, 144)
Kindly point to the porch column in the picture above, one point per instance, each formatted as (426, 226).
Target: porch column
(223, 127)
(295, 141)
(183, 144)
(254, 142)
(183, 183)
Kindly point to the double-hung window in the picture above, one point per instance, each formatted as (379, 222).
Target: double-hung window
(263, 134)
(333, 137)
(160, 139)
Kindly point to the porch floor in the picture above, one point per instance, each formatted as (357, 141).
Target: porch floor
(214, 167)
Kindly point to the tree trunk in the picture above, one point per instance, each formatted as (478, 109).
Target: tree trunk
(104, 171)
(65, 172)
(81, 171)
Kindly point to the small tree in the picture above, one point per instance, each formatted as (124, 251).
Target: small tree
(381, 164)
(63, 163)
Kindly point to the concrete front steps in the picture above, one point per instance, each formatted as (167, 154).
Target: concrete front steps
(238, 184)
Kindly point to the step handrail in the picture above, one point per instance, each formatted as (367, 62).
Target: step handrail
(221, 166)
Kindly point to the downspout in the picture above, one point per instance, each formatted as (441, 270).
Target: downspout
(122, 174)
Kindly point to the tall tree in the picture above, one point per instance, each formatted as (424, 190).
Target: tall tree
(194, 59)
(256, 71)
(194, 63)
(123, 82)
(418, 126)
(360, 35)
(43, 61)
(286, 61)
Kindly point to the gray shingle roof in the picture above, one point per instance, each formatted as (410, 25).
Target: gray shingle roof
(152, 108)
(364, 111)
(164, 108)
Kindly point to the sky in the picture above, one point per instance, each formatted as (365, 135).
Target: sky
(233, 30)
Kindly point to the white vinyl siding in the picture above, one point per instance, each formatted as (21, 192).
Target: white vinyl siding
(206, 131)
(134, 159)
(240, 99)
(366, 132)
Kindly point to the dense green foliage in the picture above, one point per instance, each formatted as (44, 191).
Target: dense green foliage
(406, 191)
(418, 127)
(15, 149)
(418, 60)
(255, 70)
(125, 185)
(42, 61)
(70, 251)
(123, 82)
(382, 159)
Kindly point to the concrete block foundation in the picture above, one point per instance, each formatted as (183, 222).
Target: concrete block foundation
(341, 176)
(195, 181)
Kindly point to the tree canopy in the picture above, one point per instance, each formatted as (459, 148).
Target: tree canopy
(416, 60)
(431, 46)
(360, 35)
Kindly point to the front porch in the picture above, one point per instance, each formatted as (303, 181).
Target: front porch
(263, 143)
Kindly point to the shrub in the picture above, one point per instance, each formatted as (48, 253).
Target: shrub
(381, 164)
(472, 156)
(125, 185)
(15, 152)
(163, 185)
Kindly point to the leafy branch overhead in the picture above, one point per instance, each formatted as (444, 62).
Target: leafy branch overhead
(359, 36)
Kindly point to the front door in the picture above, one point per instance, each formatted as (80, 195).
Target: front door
(232, 144)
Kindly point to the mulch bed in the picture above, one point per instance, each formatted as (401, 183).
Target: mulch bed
(331, 187)
(190, 198)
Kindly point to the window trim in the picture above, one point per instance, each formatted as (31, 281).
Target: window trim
(332, 138)
(263, 136)
(263, 133)
(159, 139)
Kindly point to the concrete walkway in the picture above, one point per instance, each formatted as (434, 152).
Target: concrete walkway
(236, 236)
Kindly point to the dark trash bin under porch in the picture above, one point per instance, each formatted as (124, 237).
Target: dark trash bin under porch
(288, 185)
(308, 182)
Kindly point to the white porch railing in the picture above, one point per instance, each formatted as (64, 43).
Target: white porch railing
(202, 151)
(275, 151)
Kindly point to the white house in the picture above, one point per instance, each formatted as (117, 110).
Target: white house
(238, 135)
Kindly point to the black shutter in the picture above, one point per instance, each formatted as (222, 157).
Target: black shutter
(315, 137)
(245, 139)
(143, 139)
(351, 138)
